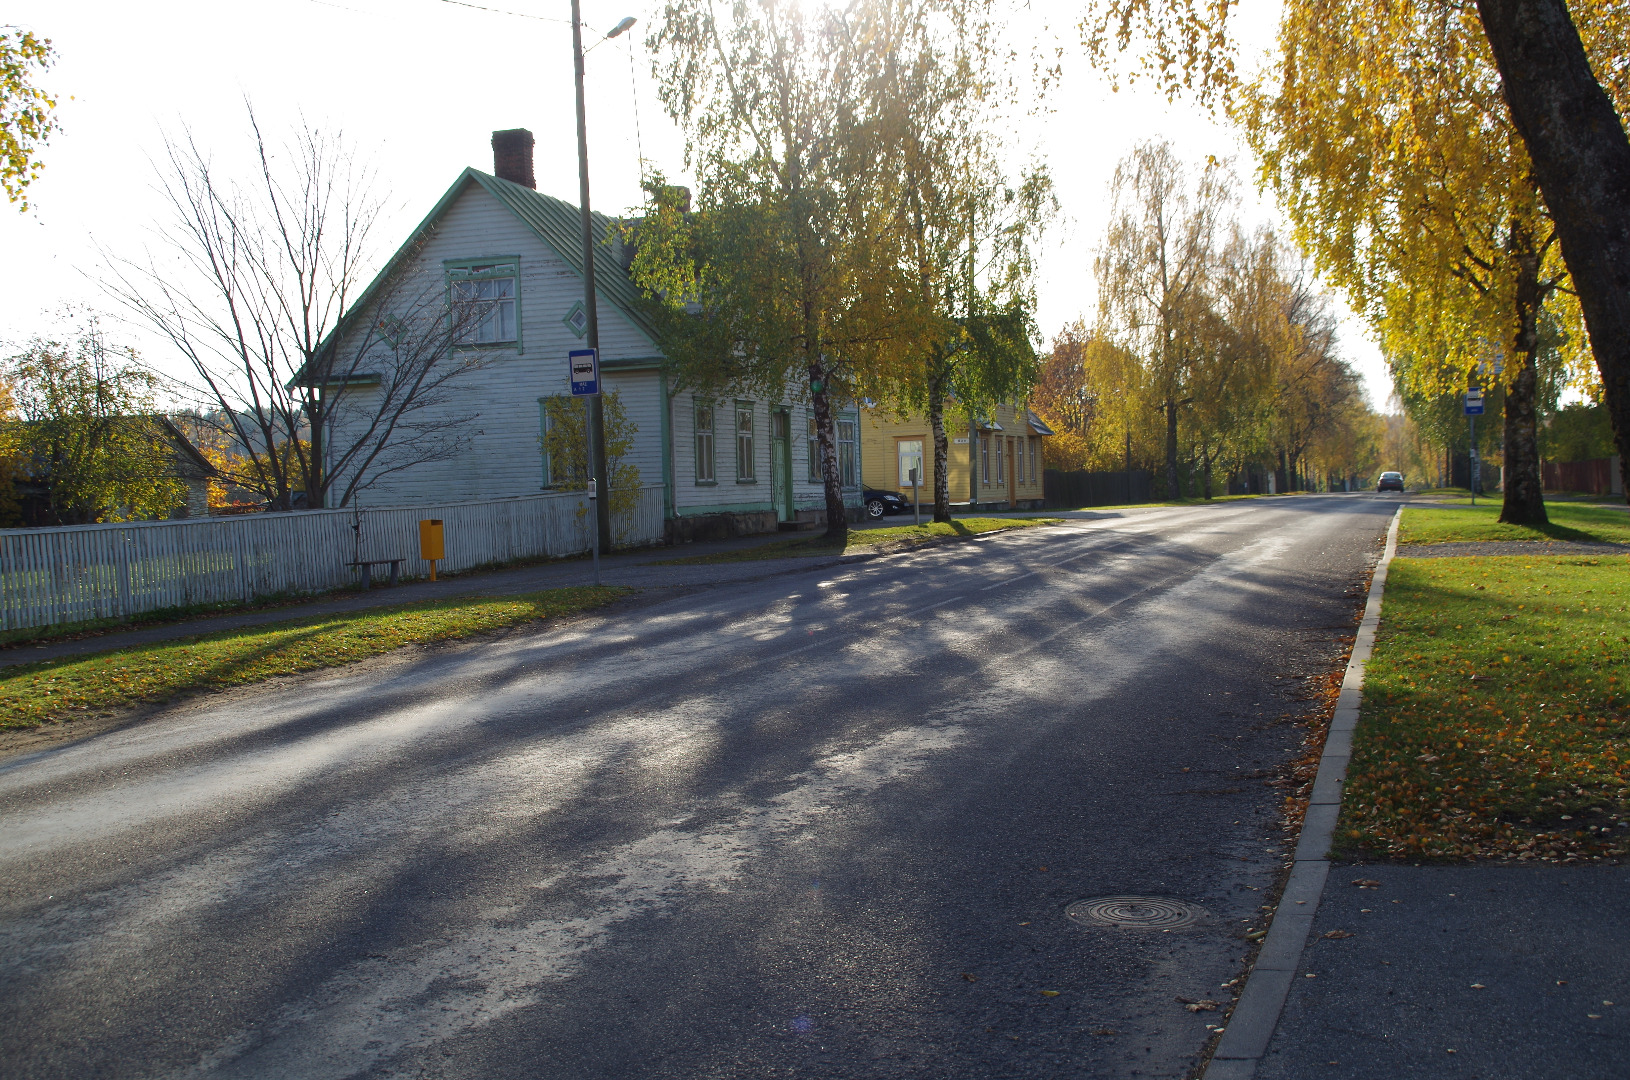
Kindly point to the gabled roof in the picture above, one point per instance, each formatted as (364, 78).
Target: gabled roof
(560, 225)
(557, 223)
(1037, 424)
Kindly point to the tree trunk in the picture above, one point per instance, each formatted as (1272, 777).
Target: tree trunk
(826, 438)
(1524, 500)
(1171, 450)
(942, 452)
(1581, 159)
(1205, 474)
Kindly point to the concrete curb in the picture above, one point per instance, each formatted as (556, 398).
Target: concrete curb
(1251, 1025)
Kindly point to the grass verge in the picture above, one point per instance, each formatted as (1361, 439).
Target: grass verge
(1494, 721)
(863, 539)
(57, 690)
(1458, 520)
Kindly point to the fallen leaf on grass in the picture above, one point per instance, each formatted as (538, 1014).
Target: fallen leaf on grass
(1336, 935)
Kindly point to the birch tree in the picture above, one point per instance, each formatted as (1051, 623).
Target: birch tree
(1409, 184)
(26, 110)
(1156, 271)
(935, 98)
(786, 274)
(1566, 87)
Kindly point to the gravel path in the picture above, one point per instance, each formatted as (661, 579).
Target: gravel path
(1535, 548)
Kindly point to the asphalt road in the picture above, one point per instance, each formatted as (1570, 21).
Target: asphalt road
(824, 824)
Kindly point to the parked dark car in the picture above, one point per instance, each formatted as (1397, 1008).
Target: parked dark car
(879, 503)
(1390, 481)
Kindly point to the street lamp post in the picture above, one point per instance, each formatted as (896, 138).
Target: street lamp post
(596, 412)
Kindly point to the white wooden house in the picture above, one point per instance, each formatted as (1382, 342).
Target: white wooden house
(727, 465)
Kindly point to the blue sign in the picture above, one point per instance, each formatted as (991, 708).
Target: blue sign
(1474, 403)
(585, 365)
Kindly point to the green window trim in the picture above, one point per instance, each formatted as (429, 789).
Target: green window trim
(488, 268)
(577, 309)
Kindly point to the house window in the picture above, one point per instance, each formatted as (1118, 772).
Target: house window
(544, 425)
(704, 444)
(744, 443)
(848, 459)
(483, 302)
(910, 453)
(998, 442)
(984, 459)
(814, 454)
(1034, 443)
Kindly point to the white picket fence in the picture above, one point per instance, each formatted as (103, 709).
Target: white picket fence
(82, 572)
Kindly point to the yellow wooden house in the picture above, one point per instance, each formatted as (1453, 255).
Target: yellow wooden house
(1006, 452)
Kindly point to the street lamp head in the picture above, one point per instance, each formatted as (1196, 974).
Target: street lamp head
(621, 27)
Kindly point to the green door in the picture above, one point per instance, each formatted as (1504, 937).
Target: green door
(781, 463)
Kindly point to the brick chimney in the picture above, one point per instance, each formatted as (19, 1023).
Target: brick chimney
(512, 156)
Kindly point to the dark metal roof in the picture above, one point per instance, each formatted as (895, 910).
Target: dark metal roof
(1036, 423)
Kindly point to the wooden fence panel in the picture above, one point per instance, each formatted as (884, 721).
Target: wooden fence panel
(84, 572)
(1598, 476)
(1066, 490)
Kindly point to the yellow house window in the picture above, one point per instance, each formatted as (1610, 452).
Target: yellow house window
(910, 453)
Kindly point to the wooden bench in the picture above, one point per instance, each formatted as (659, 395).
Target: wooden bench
(368, 569)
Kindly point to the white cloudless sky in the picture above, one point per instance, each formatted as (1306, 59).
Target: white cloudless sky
(418, 86)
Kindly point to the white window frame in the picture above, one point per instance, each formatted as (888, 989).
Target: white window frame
(746, 470)
(906, 460)
(813, 441)
(543, 442)
(704, 418)
(497, 318)
(848, 452)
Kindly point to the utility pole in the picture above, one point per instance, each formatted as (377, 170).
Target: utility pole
(973, 464)
(596, 412)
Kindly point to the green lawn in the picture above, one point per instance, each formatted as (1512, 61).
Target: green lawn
(861, 539)
(57, 690)
(1459, 520)
(1496, 722)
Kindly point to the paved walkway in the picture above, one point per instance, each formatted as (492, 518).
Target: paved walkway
(633, 569)
(1536, 548)
(638, 569)
(1492, 972)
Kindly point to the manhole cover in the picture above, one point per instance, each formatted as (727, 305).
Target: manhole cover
(1135, 912)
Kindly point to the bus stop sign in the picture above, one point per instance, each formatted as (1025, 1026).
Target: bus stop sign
(1474, 403)
(585, 364)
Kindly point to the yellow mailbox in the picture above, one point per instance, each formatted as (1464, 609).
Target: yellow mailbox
(430, 543)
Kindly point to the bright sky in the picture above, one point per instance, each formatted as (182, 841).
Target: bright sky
(419, 85)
